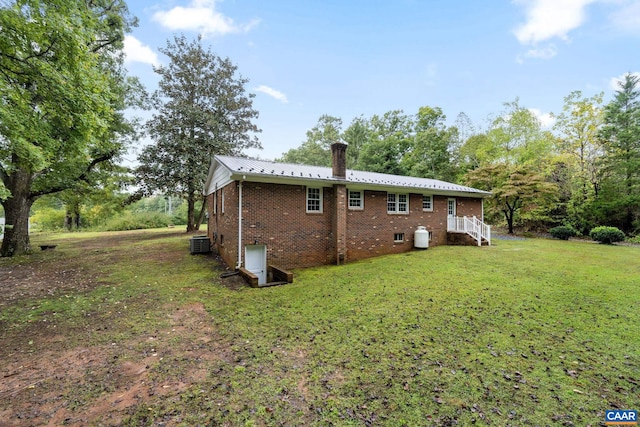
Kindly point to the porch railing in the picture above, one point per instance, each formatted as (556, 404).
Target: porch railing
(470, 225)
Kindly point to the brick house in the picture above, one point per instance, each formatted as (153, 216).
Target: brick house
(299, 216)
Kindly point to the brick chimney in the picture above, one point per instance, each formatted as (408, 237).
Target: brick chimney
(339, 159)
(339, 169)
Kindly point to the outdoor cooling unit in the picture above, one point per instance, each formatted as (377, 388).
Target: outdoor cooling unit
(199, 245)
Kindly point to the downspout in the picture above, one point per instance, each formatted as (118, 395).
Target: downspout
(239, 224)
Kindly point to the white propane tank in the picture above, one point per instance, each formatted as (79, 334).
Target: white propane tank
(421, 238)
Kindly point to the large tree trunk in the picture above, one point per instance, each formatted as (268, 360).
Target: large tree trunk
(16, 211)
(191, 202)
(203, 209)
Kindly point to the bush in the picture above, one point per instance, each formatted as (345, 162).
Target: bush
(136, 221)
(563, 232)
(48, 219)
(635, 240)
(606, 235)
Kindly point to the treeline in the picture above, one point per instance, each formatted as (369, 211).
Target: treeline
(111, 213)
(584, 172)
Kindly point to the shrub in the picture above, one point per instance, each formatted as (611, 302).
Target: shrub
(635, 240)
(48, 219)
(136, 221)
(606, 235)
(563, 232)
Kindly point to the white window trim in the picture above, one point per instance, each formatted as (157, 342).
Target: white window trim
(215, 203)
(397, 204)
(430, 209)
(222, 202)
(307, 200)
(396, 240)
(361, 199)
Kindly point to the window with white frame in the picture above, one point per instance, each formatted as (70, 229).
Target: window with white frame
(427, 202)
(222, 202)
(397, 203)
(398, 237)
(215, 203)
(356, 199)
(314, 199)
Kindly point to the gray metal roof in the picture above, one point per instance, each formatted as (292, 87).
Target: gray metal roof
(268, 169)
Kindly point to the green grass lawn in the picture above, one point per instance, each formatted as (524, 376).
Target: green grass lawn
(536, 332)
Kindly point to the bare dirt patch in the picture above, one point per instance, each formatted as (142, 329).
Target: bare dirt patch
(50, 377)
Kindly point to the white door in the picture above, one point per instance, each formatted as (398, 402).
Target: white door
(451, 208)
(255, 260)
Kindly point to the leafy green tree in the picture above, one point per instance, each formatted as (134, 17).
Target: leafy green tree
(620, 137)
(516, 190)
(478, 150)
(390, 137)
(63, 91)
(579, 156)
(316, 150)
(97, 198)
(356, 136)
(202, 110)
(431, 153)
(517, 137)
(513, 160)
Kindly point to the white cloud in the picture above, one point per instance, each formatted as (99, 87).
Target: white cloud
(136, 51)
(546, 119)
(276, 94)
(614, 82)
(627, 18)
(547, 52)
(201, 16)
(548, 19)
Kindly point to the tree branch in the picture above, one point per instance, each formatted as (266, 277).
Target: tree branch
(82, 177)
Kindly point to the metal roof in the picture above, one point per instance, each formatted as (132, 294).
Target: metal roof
(251, 169)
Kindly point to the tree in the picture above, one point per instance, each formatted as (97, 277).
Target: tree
(578, 166)
(620, 137)
(515, 189)
(202, 110)
(517, 137)
(356, 136)
(316, 150)
(431, 153)
(389, 139)
(63, 91)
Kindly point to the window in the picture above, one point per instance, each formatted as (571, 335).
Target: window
(222, 202)
(398, 237)
(427, 203)
(397, 203)
(356, 200)
(314, 199)
(215, 203)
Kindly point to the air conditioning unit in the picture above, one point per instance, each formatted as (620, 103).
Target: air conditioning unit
(199, 245)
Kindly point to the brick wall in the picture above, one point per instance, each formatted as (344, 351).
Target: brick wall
(224, 223)
(275, 215)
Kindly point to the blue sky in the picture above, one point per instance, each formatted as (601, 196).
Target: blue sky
(351, 58)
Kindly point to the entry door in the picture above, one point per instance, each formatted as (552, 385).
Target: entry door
(451, 208)
(255, 259)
